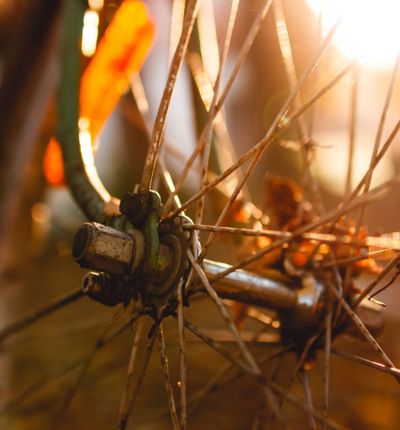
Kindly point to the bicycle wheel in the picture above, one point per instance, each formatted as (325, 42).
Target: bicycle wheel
(300, 261)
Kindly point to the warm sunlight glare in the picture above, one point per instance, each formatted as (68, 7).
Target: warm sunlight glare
(369, 29)
(85, 142)
(90, 33)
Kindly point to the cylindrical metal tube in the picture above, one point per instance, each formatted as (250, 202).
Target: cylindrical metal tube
(112, 251)
(250, 288)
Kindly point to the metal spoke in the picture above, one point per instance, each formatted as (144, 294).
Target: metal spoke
(225, 151)
(40, 384)
(364, 256)
(275, 387)
(373, 165)
(352, 129)
(177, 18)
(131, 402)
(282, 127)
(73, 389)
(225, 315)
(393, 263)
(307, 392)
(182, 359)
(131, 368)
(167, 378)
(331, 216)
(297, 369)
(279, 390)
(208, 128)
(299, 405)
(243, 53)
(217, 347)
(215, 382)
(318, 39)
(270, 398)
(203, 393)
(265, 142)
(372, 364)
(269, 357)
(158, 132)
(143, 106)
(37, 386)
(379, 133)
(360, 325)
(327, 355)
(386, 286)
(388, 244)
(354, 95)
(312, 100)
(35, 316)
(288, 61)
(291, 111)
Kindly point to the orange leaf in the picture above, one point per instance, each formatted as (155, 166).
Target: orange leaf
(120, 53)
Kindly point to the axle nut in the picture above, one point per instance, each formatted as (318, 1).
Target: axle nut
(103, 248)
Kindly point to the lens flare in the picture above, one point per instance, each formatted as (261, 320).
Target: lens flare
(369, 29)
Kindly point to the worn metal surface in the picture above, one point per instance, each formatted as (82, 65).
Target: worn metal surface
(103, 248)
(88, 197)
(310, 305)
(250, 288)
(99, 247)
(300, 307)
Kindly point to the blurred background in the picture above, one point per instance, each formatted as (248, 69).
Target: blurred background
(39, 218)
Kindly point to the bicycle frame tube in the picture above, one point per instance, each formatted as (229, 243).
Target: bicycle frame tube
(86, 192)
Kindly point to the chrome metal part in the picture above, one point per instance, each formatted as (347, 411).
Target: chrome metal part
(250, 288)
(309, 306)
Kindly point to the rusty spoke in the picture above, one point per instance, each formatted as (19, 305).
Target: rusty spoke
(361, 327)
(243, 53)
(282, 127)
(132, 397)
(307, 392)
(327, 356)
(182, 359)
(365, 362)
(35, 316)
(158, 131)
(131, 368)
(167, 378)
(88, 361)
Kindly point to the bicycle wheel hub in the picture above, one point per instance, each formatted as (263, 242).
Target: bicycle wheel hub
(148, 259)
